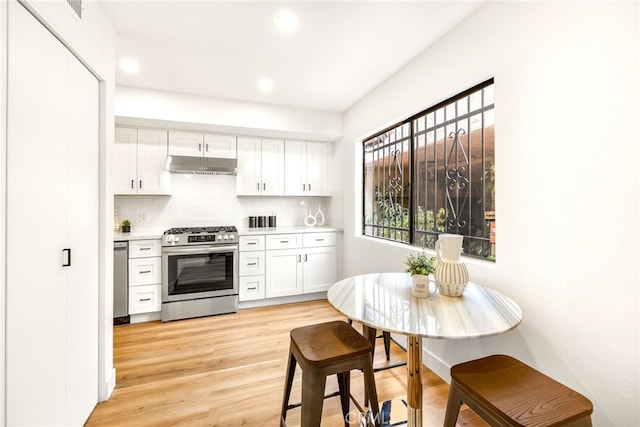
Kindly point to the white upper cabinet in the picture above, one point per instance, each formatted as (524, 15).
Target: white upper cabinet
(220, 146)
(306, 168)
(260, 167)
(195, 144)
(140, 162)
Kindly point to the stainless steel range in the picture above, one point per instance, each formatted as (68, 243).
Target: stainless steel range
(199, 272)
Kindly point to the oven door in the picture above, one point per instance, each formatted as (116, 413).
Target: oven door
(193, 272)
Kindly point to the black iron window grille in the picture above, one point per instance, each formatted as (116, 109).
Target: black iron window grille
(434, 173)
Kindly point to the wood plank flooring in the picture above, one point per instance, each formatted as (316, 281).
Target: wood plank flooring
(229, 371)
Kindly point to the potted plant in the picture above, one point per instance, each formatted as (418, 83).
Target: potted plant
(420, 267)
(126, 226)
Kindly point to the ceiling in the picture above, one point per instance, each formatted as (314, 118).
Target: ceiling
(339, 51)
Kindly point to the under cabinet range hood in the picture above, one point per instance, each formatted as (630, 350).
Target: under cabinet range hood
(201, 165)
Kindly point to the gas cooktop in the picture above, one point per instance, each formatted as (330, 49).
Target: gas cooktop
(214, 235)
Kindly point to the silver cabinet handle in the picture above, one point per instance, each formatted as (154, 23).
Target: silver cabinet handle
(299, 258)
(319, 240)
(258, 186)
(252, 243)
(206, 147)
(264, 186)
(148, 248)
(303, 187)
(255, 288)
(305, 257)
(140, 183)
(145, 272)
(252, 263)
(132, 182)
(199, 147)
(144, 299)
(308, 187)
(66, 257)
(284, 241)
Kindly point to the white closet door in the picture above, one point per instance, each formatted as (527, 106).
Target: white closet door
(82, 238)
(42, 320)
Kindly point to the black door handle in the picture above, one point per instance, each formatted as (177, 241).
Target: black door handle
(66, 257)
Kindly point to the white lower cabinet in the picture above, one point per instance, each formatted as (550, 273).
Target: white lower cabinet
(251, 268)
(284, 272)
(144, 299)
(145, 264)
(308, 267)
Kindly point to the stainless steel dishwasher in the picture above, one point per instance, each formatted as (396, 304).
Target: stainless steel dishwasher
(120, 283)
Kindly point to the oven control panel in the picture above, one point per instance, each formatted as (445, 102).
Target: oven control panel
(183, 240)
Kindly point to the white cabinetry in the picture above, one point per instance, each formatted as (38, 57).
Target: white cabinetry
(52, 184)
(300, 263)
(260, 167)
(140, 162)
(144, 276)
(252, 268)
(306, 168)
(195, 144)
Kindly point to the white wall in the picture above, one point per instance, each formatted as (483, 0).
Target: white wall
(223, 115)
(566, 85)
(92, 40)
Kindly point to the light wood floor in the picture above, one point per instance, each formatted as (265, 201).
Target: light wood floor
(229, 371)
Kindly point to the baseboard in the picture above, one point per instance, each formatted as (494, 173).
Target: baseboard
(109, 386)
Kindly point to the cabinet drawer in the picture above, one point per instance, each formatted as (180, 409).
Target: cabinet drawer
(314, 240)
(144, 271)
(251, 288)
(284, 241)
(252, 243)
(144, 299)
(144, 248)
(251, 263)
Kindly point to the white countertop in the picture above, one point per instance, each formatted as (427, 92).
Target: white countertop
(157, 234)
(137, 235)
(287, 230)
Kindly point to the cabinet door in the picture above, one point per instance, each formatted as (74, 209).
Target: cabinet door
(153, 177)
(125, 169)
(249, 177)
(186, 144)
(144, 299)
(295, 172)
(144, 271)
(251, 288)
(145, 248)
(319, 265)
(49, 94)
(283, 273)
(272, 167)
(82, 236)
(251, 263)
(317, 169)
(220, 146)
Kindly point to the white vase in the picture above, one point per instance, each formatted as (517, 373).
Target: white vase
(423, 286)
(451, 273)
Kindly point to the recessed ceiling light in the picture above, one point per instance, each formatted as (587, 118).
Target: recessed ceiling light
(265, 85)
(129, 65)
(286, 21)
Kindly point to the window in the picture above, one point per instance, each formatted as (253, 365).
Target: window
(433, 173)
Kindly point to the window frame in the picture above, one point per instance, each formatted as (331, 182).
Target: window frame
(412, 187)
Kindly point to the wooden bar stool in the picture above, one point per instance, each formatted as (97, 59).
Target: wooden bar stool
(506, 392)
(321, 350)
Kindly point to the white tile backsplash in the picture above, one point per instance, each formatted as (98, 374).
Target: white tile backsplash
(211, 200)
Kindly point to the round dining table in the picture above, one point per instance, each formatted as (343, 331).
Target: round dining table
(384, 301)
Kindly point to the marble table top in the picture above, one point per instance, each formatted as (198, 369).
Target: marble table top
(384, 301)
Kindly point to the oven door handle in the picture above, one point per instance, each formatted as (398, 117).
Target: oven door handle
(200, 249)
